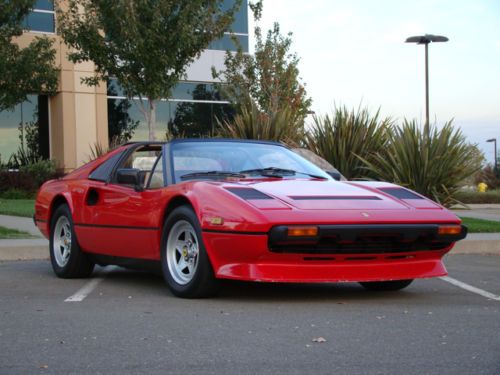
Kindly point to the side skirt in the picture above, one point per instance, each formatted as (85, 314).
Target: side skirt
(152, 266)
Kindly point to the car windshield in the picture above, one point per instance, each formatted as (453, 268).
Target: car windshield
(222, 159)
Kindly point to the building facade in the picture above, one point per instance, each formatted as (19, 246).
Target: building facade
(78, 117)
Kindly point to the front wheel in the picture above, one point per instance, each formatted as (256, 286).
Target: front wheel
(185, 264)
(68, 261)
(386, 285)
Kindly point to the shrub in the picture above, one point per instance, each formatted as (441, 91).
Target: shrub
(473, 197)
(487, 175)
(252, 123)
(432, 161)
(40, 171)
(16, 194)
(345, 135)
(16, 180)
(22, 183)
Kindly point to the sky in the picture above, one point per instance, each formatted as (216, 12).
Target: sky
(352, 52)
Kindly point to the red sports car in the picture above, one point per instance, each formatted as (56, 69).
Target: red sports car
(209, 209)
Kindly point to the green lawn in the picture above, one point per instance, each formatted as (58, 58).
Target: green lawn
(9, 234)
(481, 226)
(17, 207)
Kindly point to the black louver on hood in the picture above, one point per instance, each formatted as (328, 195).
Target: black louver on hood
(248, 193)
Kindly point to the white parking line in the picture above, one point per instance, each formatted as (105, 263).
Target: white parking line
(470, 288)
(83, 292)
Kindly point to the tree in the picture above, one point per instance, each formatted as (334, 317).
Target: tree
(145, 44)
(270, 77)
(23, 71)
(121, 126)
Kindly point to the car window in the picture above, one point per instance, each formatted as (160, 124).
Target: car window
(193, 157)
(143, 158)
(156, 180)
(103, 172)
(278, 160)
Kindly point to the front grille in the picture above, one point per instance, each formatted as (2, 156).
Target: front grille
(359, 239)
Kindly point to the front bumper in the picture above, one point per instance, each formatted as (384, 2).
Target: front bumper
(248, 257)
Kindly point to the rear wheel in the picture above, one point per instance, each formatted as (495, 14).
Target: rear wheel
(386, 285)
(185, 264)
(68, 261)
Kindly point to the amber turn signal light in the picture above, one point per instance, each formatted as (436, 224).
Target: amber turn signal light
(308, 231)
(445, 230)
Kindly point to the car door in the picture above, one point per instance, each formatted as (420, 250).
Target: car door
(121, 220)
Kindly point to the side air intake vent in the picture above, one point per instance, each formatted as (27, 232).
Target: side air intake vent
(400, 193)
(248, 193)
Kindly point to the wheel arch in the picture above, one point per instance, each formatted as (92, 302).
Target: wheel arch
(177, 201)
(57, 201)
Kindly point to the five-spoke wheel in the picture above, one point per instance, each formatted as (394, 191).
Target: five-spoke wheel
(68, 261)
(185, 264)
(62, 241)
(182, 252)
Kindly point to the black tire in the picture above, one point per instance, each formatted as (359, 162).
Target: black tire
(200, 282)
(76, 264)
(386, 285)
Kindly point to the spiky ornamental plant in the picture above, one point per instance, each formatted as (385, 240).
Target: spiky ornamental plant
(253, 123)
(347, 134)
(431, 161)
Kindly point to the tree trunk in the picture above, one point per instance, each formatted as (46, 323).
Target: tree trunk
(151, 118)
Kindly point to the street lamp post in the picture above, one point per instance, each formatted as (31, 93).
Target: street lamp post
(494, 140)
(426, 39)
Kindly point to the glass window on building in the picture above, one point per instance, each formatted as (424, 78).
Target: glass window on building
(27, 127)
(193, 111)
(237, 35)
(41, 18)
(230, 42)
(191, 119)
(240, 24)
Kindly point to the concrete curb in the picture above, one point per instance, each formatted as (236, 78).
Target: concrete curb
(484, 247)
(24, 253)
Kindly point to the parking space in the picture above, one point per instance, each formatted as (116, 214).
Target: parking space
(129, 322)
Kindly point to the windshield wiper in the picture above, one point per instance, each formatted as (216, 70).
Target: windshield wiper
(211, 174)
(278, 172)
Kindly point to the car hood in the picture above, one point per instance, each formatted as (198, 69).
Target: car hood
(324, 195)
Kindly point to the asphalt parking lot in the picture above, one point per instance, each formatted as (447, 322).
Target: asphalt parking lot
(126, 321)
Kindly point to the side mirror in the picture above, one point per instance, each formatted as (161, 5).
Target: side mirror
(131, 176)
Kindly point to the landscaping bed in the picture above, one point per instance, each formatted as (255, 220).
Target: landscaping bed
(474, 197)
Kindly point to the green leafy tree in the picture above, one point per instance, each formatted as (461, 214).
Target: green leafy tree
(269, 77)
(23, 71)
(145, 44)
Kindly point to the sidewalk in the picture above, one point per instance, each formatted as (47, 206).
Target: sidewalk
(25, 224)
(23, 249)
(481, 211)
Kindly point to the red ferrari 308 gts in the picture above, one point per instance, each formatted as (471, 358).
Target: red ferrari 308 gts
(209, 209)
